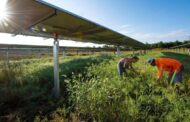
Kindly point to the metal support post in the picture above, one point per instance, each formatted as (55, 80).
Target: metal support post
(64, 53)
(118, 51)
(133, 52)
(56, 66)
(7, 58)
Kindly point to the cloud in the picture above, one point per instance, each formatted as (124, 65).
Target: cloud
(124, 26)
(172, 35)
(28, 40)
(166, 37)
(125, 29)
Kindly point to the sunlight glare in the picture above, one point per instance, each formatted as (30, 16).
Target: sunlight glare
(3, 13)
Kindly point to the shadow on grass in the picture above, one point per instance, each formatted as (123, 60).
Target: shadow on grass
(35, 99)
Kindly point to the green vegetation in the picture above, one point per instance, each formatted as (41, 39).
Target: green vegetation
(136, 97)
(26, 87)
(91, 90)
(162, 44)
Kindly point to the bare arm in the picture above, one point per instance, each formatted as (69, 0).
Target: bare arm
(160, 73)
(126, 64)
(130, 66)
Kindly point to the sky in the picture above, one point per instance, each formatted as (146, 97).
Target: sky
(144, 20)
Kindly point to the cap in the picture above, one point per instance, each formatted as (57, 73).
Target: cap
(150, 60)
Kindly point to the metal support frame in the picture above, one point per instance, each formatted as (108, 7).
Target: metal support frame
(7, 65)
(133, 52)
(64, 52)
(118, 51)
(56, 66)
(7, 58)
(144, 51)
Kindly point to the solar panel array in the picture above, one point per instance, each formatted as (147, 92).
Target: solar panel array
(38, 18)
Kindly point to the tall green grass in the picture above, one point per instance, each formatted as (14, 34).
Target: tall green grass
(136, 97)
(26, 91)
(91, 90)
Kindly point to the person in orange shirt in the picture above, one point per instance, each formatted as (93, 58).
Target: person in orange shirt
(169, 65)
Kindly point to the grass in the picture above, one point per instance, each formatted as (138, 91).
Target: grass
(91, 90)
(136, 97)
(27, 90)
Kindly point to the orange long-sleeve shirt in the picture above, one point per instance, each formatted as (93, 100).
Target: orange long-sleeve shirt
(168, 65)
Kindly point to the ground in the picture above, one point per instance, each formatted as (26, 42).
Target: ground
(91, 90)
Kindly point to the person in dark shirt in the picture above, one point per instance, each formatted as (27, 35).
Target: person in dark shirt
(126, 63)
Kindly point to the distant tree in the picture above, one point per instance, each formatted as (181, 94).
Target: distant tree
(148, 45)
(177, 43)
(186, 42)
(160, 44)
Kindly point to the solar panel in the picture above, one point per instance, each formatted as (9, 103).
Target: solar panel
(39, 18)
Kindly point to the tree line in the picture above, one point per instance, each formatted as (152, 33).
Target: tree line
(162, 44)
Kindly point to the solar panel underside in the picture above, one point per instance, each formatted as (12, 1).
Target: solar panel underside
(38, 18)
